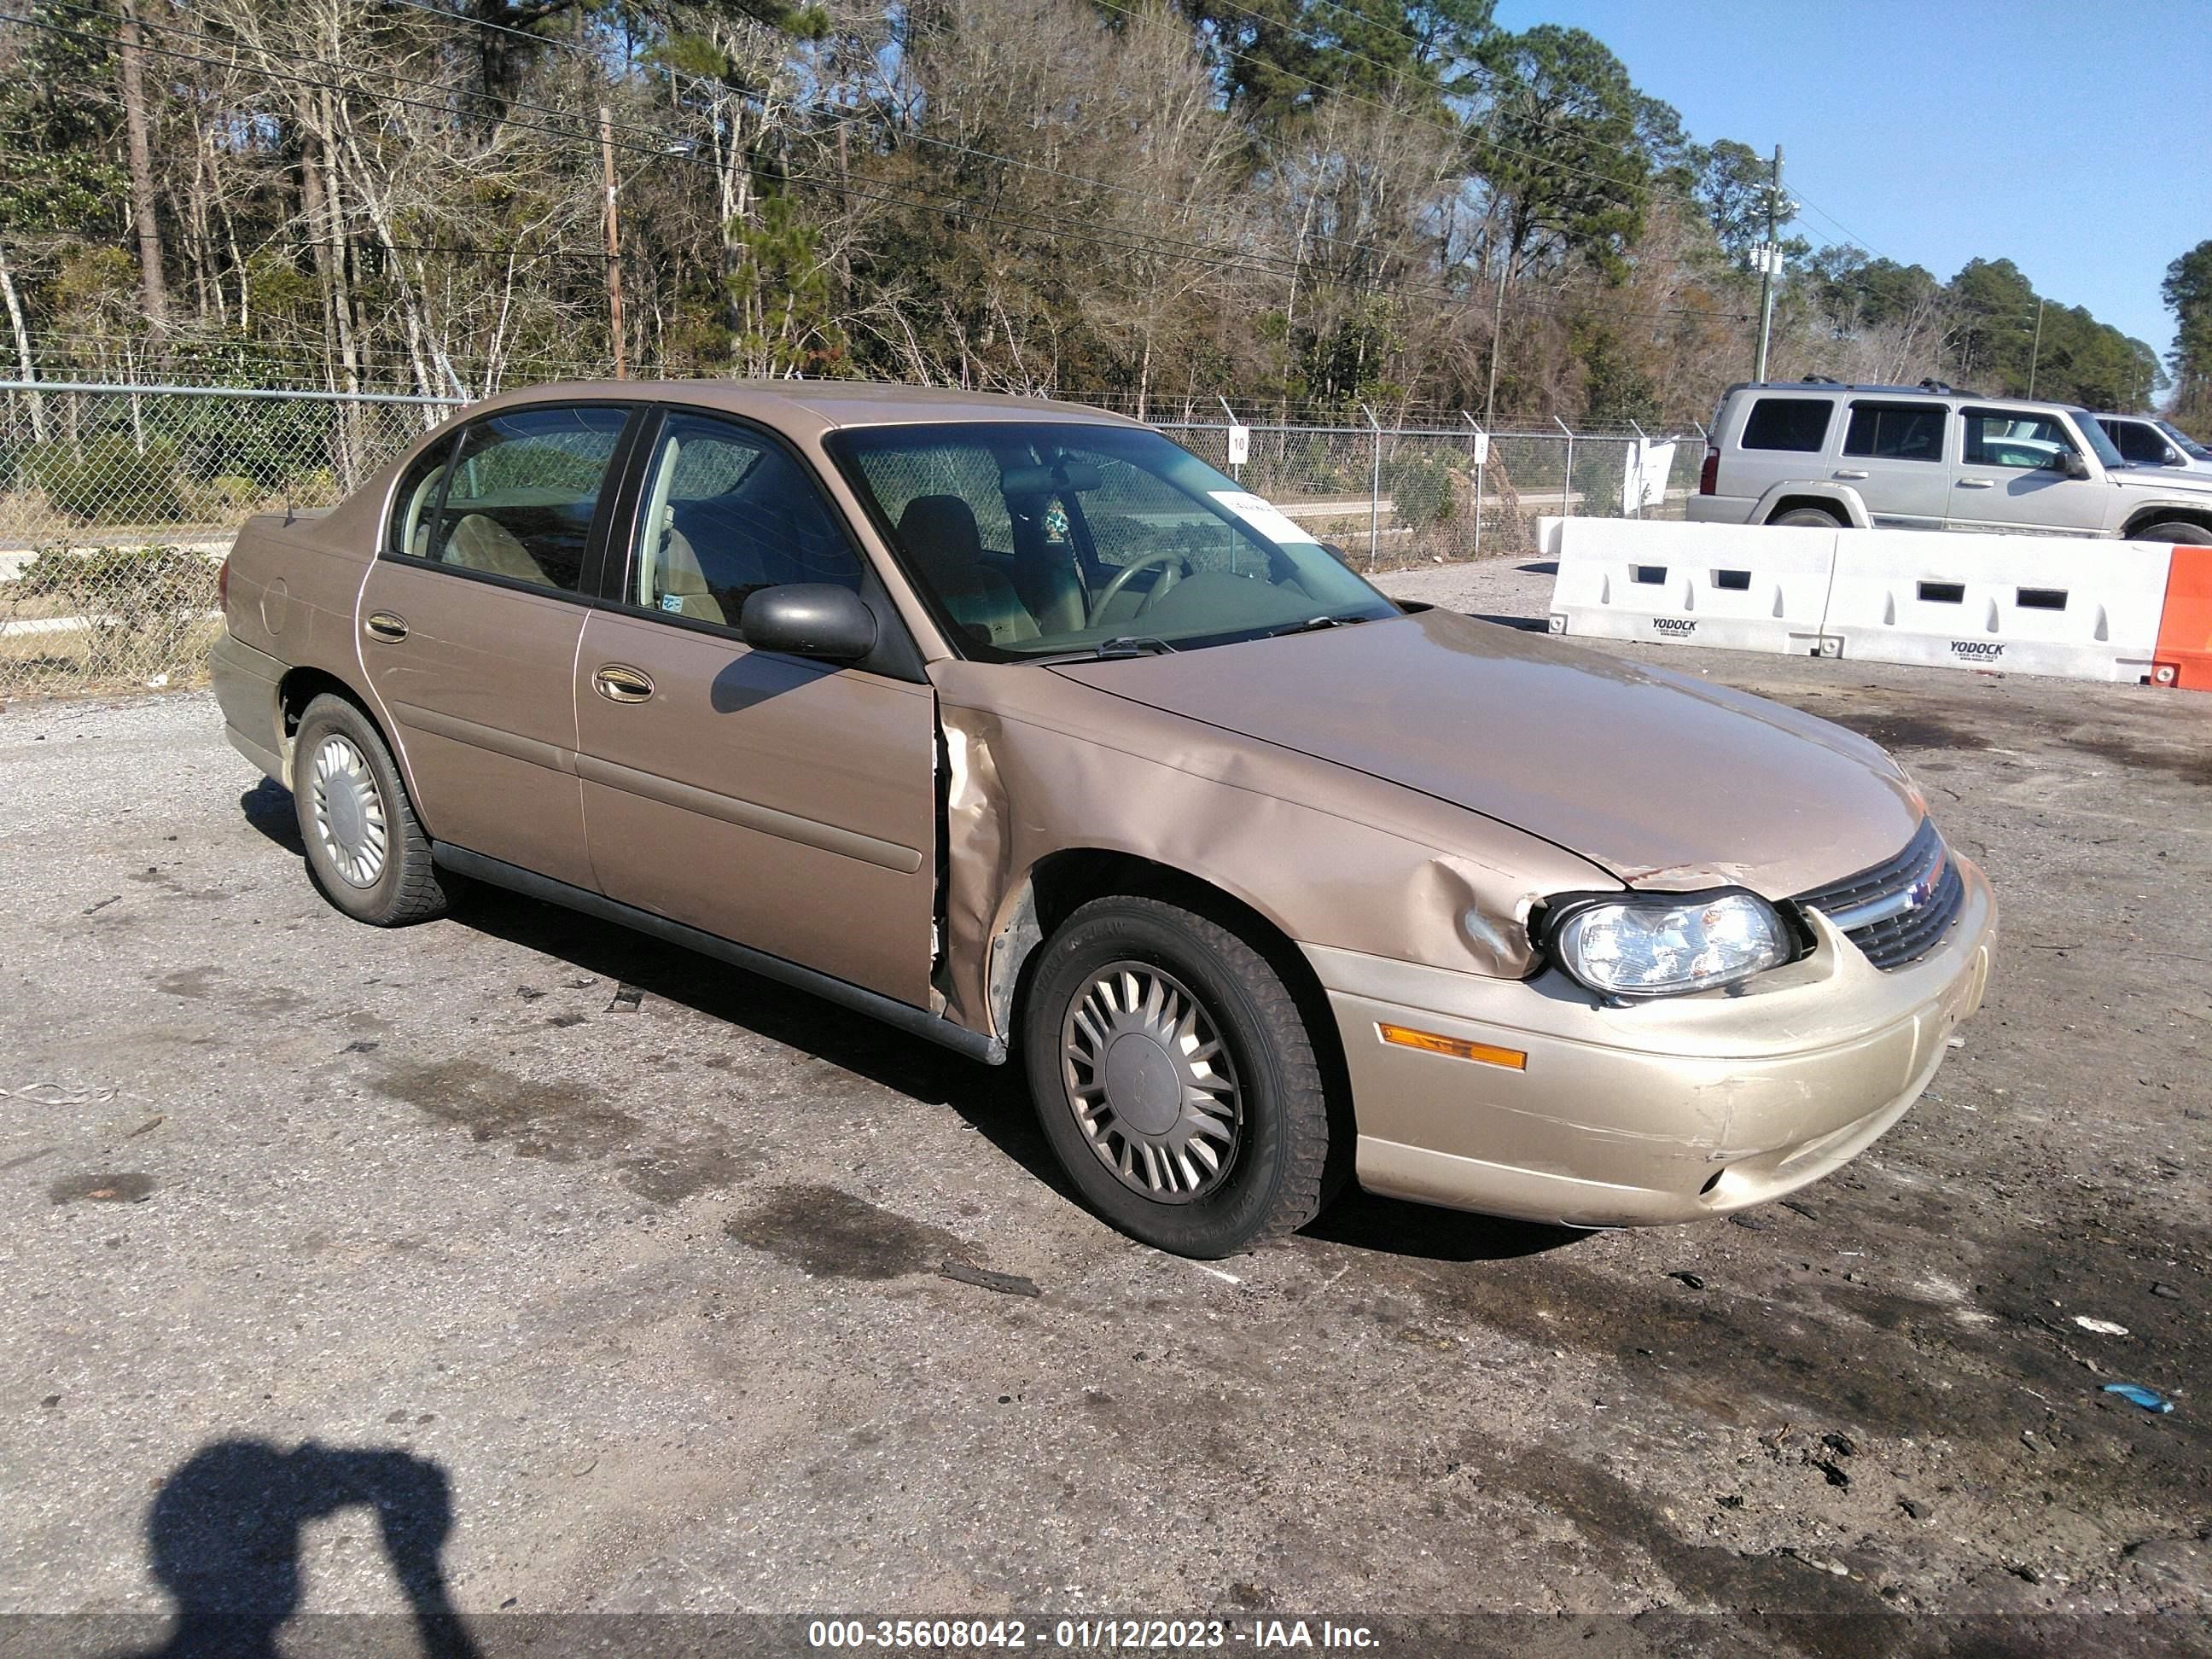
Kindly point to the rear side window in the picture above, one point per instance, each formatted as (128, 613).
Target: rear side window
(1791, 423)
(524, 487)
(1896, 432)
(414, 504)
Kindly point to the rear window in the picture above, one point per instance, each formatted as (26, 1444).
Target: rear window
(1896, 432)
(1794, 423)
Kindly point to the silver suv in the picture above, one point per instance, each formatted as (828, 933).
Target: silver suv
(1930, 457)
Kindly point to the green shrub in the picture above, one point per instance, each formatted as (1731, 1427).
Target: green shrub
(108, 481)
(1420, 489)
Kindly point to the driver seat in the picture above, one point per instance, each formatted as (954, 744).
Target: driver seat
(938, 534)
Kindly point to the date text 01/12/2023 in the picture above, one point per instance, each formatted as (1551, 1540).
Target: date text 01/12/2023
(1087, 1634)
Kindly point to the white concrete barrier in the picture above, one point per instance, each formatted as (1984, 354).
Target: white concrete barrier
(2073, 607)
(1741, 588)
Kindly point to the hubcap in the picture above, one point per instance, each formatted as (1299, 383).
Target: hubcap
(1151, 1083)
(348, 811)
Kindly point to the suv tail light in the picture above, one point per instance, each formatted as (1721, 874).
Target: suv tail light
(223, 586)
(1708, 475)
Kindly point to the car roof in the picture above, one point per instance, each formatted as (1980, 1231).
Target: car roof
(815, 406)
(1937, 392)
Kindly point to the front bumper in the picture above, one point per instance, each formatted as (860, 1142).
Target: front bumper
(1658, 1111)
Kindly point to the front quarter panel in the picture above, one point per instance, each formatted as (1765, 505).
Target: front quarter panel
(1038, 765)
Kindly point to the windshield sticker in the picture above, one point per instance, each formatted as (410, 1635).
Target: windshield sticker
(1274, 525)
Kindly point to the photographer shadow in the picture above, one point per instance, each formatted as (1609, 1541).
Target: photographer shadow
(224, 1533)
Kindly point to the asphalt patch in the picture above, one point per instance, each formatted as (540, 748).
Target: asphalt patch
(124, 1187)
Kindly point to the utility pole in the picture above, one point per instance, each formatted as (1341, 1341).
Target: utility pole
(2035, 351)
(614, 241)
(1770, 261)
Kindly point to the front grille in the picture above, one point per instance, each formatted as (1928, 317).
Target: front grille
(1898, 911)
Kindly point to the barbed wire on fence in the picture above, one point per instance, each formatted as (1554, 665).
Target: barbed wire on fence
(119, 502)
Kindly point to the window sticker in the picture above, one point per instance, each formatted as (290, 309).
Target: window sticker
(1274, 525)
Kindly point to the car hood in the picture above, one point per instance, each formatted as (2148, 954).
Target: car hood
(2195, 479)
(1663, 780)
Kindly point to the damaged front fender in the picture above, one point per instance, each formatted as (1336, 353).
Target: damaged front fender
(1376, 869)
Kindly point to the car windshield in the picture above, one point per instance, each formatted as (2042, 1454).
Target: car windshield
(2189, 445)
(2094, 435)
(1040, 538)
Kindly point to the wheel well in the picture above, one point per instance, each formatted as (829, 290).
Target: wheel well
(1062, 883)
(1817, 503)
(2144, 521)
(300, 687)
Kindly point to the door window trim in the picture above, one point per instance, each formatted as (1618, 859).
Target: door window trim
(895, 656)
(591, 573)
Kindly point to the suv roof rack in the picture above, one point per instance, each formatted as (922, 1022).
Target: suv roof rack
(1930, 388)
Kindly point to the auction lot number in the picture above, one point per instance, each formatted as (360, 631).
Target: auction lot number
(1161, 1634)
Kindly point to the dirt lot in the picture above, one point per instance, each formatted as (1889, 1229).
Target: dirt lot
(638, 1308)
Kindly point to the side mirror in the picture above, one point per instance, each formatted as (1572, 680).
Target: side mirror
(2073, 466)
(1338, 554)
(809, 619)
(2175, 458)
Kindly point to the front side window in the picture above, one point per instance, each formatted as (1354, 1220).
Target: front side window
(2187, 444)
(1800, 424)
(2014, 439)
(726, 514)
(1038, 539)
(523, 490)
(1896, 432)
(2139, 441)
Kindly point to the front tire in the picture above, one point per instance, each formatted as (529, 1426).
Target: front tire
(365, 848)
(1176, 1080)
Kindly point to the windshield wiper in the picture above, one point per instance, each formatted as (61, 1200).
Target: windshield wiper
(1327, 619)
(1122, 645)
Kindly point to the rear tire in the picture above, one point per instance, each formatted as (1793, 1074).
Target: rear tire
(1176, 1080)
(1808, 518)
(2175, 532)
(365, 849)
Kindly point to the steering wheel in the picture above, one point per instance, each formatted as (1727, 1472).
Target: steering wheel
(1120, 580)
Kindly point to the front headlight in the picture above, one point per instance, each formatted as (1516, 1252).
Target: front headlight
(1665, 944)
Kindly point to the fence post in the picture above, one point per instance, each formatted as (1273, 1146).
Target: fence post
(1235, 466)
(1567, 489)
(1481, 461)
(1374, 491)
(1643, 445)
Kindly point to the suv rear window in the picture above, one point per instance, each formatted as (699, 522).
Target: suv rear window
(1798, 424)
(1896, 432)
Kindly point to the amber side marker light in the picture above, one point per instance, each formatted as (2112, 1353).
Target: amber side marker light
(1405, 1037)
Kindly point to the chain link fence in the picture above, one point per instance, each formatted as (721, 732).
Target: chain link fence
(117, 506)
(118, 503)
(1392, 496)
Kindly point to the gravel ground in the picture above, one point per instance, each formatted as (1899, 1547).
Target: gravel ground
(623, 1308)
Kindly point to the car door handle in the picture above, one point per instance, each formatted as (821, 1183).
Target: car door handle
(618, 683)
(386, 626)
(1978, 483)
(1851, 474)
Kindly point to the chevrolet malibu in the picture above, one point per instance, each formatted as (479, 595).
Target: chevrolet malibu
(1013, 725)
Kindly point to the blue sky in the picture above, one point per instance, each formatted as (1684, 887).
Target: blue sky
(2073, 141)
